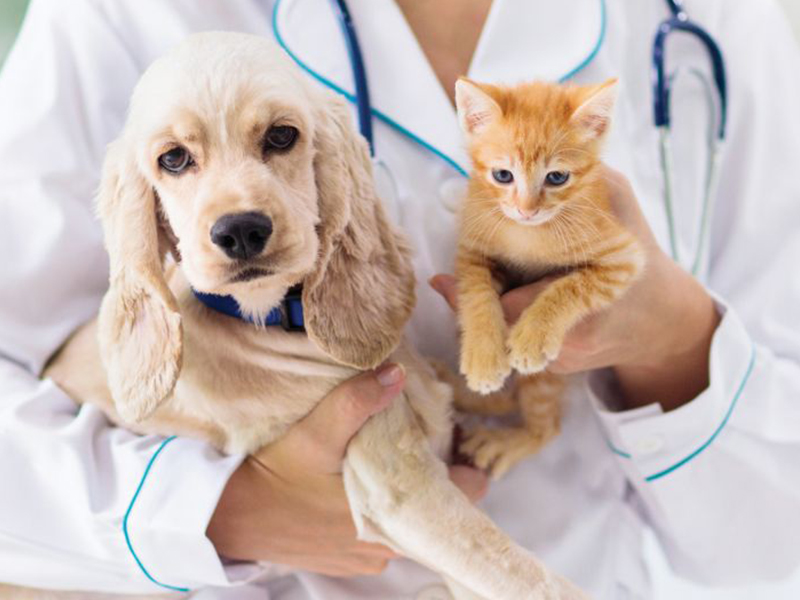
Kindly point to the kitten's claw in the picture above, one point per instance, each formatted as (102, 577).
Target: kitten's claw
(530, 352)
(485, 366)
(488, 384)
(527, 364)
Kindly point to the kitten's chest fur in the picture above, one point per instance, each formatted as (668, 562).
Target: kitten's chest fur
(522, 255)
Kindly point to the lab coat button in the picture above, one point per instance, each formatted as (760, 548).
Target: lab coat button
(649, 445)
(435, 592)
(451, 193)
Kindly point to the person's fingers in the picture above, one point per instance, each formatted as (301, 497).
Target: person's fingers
(515, 301)
(374, 566)
(445, 285)
(376, 550)
(356, 567)
(472, 482)
(321, 438)
(625, 205)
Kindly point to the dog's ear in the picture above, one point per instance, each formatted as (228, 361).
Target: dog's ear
(140, 332)
(361, 294)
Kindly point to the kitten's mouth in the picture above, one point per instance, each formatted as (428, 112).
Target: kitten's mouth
(533, 219)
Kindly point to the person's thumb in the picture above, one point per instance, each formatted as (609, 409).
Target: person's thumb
(472, 482)
(446, 286)
(320, 439)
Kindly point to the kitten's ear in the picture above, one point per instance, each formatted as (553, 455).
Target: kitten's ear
(476, 107)
(594, 115)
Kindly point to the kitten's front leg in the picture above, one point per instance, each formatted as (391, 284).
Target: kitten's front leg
(470, 402)
(484, 358)
(538, 335)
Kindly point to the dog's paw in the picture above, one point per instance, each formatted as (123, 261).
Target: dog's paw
(497, 450)
(530, 349)
(485, 365)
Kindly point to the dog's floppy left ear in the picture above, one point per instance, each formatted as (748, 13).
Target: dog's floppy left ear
(140, 332)
(361, 294)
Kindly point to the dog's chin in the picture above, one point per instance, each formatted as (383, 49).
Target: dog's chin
(250, 274)
(256, 280)
(229, 280)
(232, 278)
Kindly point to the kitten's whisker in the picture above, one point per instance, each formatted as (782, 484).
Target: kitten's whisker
(576, 213)
(578, 226)
(478, 226)
(588, 206)
(478, 220)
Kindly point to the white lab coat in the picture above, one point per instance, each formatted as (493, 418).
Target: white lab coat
(718, 479)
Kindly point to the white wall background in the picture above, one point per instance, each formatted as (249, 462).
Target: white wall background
(792, 8)
(667, 586)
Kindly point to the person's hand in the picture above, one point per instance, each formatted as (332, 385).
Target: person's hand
(287, 505)
(657, 336)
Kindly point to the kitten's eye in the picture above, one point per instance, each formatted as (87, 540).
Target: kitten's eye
(176, 160)
(280, 137)
(503, 176)
(557, 178)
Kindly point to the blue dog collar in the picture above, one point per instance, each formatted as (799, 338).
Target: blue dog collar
(288, 314)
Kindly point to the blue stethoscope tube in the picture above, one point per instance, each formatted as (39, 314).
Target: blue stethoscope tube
(363, 102)
(679, 21)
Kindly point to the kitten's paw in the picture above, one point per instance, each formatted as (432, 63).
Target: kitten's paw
(530, 351)
(545, 427)
(497, 450)
(485, 365)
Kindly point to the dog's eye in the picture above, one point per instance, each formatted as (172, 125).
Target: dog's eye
(176, 160)
(280, 137)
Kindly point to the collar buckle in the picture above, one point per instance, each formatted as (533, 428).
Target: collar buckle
(291, 308)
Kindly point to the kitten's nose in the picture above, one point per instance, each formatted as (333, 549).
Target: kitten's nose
(527, 213)
(243, 235)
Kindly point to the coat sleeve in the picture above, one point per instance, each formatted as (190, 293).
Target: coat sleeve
(84, 505)
(719, 478)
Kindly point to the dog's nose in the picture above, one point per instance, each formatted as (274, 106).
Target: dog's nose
(242, 235)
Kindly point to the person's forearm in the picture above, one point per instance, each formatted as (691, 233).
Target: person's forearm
(681, 372)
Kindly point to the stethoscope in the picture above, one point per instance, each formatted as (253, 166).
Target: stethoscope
(663, 82)
(385, 182)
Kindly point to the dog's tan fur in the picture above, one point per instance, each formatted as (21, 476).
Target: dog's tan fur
(174, 366)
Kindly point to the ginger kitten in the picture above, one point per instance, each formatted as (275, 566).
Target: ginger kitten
(537, 205)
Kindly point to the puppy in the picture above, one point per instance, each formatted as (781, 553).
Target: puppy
(252, 178)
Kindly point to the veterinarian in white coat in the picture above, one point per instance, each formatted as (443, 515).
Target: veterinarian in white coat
(718, 479)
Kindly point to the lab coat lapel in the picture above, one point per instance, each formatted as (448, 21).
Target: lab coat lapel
(403, 88)
(538, 39)
(522, 40)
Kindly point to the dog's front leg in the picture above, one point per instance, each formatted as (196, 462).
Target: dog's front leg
(400, 494)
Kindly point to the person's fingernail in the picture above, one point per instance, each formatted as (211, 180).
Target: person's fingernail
(389, 374)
